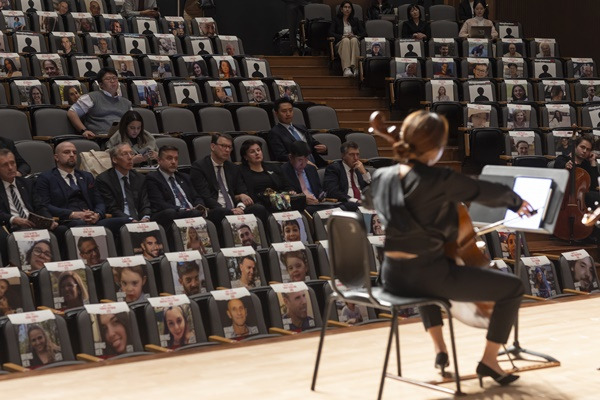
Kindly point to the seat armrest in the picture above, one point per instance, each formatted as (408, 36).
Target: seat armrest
(536, 298)
(280, 331)
(156, 349)
(337, 324)
(220, 339)
(88, 358)
(12, 367)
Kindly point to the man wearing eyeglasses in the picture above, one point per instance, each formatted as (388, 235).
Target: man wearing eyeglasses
(89, 251)
(95, 112)
(220, 182)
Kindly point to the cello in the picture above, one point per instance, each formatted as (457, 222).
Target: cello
(569, 224)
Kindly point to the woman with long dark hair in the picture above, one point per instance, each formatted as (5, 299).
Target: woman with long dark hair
(131, 131)
(347, 31)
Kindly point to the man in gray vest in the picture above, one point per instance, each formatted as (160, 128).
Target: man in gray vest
(94, 113)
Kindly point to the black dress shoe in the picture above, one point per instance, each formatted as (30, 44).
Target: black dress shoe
(441, 361)
(501, 379)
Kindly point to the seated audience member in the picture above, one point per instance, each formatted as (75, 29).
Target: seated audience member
(260, 176)
(479, 8)
(70, 194)
(22, 167)
(89, 250)
(220, 182)
(124, 190)
(345, 178)
(188, 273)
(583, 157)
(283, 134)
(95, 112)
(297, 311)
(348, 32)
(465, 10)
(379, 8)
(131, 131)
(17, 200)
(303, 176)
(144, 8)
(172, 195)
(414, 27)
(237, 312)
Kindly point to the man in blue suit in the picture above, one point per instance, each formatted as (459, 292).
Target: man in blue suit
(70, 194)
(346, 178)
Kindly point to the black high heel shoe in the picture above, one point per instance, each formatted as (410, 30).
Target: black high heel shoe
(441, 361)
(501, 379)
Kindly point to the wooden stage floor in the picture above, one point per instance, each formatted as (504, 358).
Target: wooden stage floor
(350, 368)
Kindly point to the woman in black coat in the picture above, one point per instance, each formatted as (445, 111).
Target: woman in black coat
(347, 31)
(414, 27)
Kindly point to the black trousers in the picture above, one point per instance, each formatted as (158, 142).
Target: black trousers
(437, 276)
(295, 14)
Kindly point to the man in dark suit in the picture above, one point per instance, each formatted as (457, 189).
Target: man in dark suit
(124, 190)
(70, 194)
(344, 179)
(283, 134)
(22, 167)
(17, 200)
(220, 182)
(172, 195)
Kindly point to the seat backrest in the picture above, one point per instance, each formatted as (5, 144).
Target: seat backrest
(18, 292)
(333, 143)
(205, 26)
(49, 65)
(31, 42)
(148, 92)
(229, 45)
(66, 92)
(39, 155)
(185, 272)
(553, 90)
(253, 67)
(581, 68)
(158, 67)
(66, 285)
(320, 220)
(83, 145)
(479, 91)
(197, 46)
(221, 320)
(509, 30)
(118, 272)
(444, 29)
(184, 155)
(287, 88)
(442, 11)
(437, 90)
(30, 249)
(94, 43)
(380, 28)
(291, 262)
(92, 244)
(287, 303)
(543, 48)
(314, 11)
(409, 48)
(512, 68)
(92, 323)
(564, 115)
(366, 144)
(134, 44)
(523, 143)
(51, 122)
(480, 116)
(289, 226)
(126, 65)
(145, 25)
(436, 45)
(216, 119)
(175, 119)
(195, 234)
(28, 93)
(519, 116)
(236, 226)
(487, 145)
(239, 141)
(546, 68)
(358, 11)
(253, 119)
(403, 12)
(201, 146)
(184, 92)
(134, 235)
(240, 267)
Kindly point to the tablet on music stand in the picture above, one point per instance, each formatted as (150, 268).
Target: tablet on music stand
(480, 32)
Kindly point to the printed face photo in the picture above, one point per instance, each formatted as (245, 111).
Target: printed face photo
(11, 301)
(513, 50)
(31, 95)
(102, 45)
(94, 7)
(583, 274)
(544, 49)
(541, 281)
(522, 145)
(167, 46)
(195, 69)
(294, 266)
(442, 92)
(15, 23)
(296, 311)
(246, 234)
(111, 334)
(161, 69)
(513, 70)
(257, 94)
(374, 49)
(288, 92)
(478, 71)
(48, 24)
(238, 317)
(208, 29)
(444, 70)
(563, 145)
(478, 118)
(407, 69)
(222, 94)
(125, 68)
(149, 245)
(10, 67)
(561, 118)
(293, 230)
(176, 28)
(444, 49)
(65, 44)
(131, 283)
(517, 92)
(149, 95)
(39, 343)
(555, 92)
(243, 271)
(591, 93)
(351, 313)
(518, 118)
(114, 26)
(175, 326)
(227, 67)
(188, 277)
(93, 250)
(478, 50)
(69, 289)
(508, 244)
(85, 25)
(583, 70)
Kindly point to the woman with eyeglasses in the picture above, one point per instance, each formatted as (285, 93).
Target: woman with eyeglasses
(38, 254)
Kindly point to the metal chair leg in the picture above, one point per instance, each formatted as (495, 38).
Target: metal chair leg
(451, 327)
(328, 307)
(397, 334)
(387, 351)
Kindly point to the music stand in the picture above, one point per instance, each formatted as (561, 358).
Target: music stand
(482, 215)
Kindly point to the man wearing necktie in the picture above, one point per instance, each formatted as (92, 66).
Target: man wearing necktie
(344, 179)
(140, 8)
(283, 134)
(71, 194)
(220, 182)
(172, 195)
(17, 200)
(124, 190)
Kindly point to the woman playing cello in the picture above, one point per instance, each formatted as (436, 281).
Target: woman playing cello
(418, 206)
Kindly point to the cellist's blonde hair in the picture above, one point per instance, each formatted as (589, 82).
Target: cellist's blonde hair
(421, 131)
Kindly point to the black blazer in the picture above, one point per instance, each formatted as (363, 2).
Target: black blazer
(374, 12)
(409, 28)
(206, 185)
(335, 181)
(279, 183)
(160, 193)
(28, 195)
(311, 174)
(337, 28)
(54, 192)
(280, 140)
(110, 188)
(465, 12)
(22, 165)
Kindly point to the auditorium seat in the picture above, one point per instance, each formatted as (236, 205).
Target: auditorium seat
(229, 273)
(177, 120)
(112, 272)
(103, 238)
(150, 123)
(204, 228)
(132, 234)
(284, 300)
(299, 267)
(90, 43)
(333, 143)
(21, 92)
(37, 64)
(320, 222)
(84, 66)
(278, 220)
(198, 45)
(253, 120)
(39, 155)
(175, 92)
(18, 293)
(52, 123)
(444, 29)
(52, 279)
(172, 282)
(54, 42)
(231, 224)
(144, 25)
(238, 141)
(439, 12)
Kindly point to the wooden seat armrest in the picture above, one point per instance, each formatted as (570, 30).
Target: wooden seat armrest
(506, 260)
(384, 315)
(54, 311)
(325, 278)
(280, 331)
(505, 157)
(425, 103)
(164, 294)
(220, 339)
(220, 288)
(106, 301)
(573, 291)
(12, 367)
(156, 349)
(273, 282)
(552, 257)
(330, 200)
(390, 79)
(536, 298)
(43, 138)
(88, 358)
(549, 157)
(374, 273)
(463, 129)
(337, 324)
